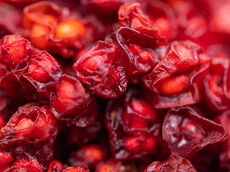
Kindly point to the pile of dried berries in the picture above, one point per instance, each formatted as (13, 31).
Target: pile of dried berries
(115, 86)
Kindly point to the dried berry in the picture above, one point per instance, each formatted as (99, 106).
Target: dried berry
(30, 72)
(70, 102)
(133, 126)
(217, 84)
(186, 132)
(30, 125)
(176, 78)
(57, 30)
(114, 86)
(102, 69)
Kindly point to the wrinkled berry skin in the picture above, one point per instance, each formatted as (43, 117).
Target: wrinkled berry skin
(132, 16)
(34, 74)
(154, 15)
(176, 79)
(174, 163)
(114, 86)
(71, 103)
(186, 131)
(60, 31)
(13, 51)
(132, 125)
(138, 39)
(217, 84)
(29, 71)
(140, 48)
(102, 69)
(30, 125)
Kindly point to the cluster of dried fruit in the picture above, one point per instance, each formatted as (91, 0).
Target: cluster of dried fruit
(149, 78)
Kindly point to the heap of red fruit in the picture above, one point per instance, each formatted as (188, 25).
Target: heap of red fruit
(115, 86)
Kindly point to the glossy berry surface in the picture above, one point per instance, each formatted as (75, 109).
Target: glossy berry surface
(114, 86)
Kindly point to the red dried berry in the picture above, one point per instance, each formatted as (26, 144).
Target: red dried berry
(141, 51)
(132, 17)
(42, 73)
(138, 115)
(176, 78)
(217, 84)
(70, 102)
(57, 30)
(30, 72)
(13, 51)
(148, 14)
(186, 132)
(161, 99)
(30, 125)
(102, 69)
(132, 125)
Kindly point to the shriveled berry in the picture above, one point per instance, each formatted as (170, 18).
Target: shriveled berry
(70, 102)
(176, 79)
(186, 132)
(133, 126)
(13, 49)
(102, 69)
